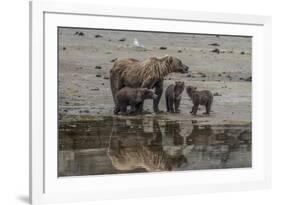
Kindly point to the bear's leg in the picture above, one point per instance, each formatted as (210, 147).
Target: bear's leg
(171, 105)
(208, 108)
(115, 85)
(192, 109)
(195, 108)
(116, 110)
(134, 108)
(158, 92)
(140, 108)
(123, 109)
(167, 104)
(177, 104)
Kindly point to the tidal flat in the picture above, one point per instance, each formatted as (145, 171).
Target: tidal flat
(93, 142)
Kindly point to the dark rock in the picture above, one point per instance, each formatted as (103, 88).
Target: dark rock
(64, 48)
(98, 75)
(98, 67)
(216, 50)
(67, 103)
(86, 111)
(102, 83)
(105, 77)
(219, 75)
(249, 79)
(203, 75)
(122, 39)
(98, 36)
(113, 60)
(163, 48)
(189, 76)
(242, 52)
(179, 51)
(76, 33)
(214, 44)
(95, 89)
(217, 94)
(81, 34)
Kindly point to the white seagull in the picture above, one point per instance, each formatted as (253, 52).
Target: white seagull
(138, 44)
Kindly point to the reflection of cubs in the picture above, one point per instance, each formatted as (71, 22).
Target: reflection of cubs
(129, 152)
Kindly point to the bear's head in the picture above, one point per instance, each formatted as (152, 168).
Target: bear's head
(190, 90)
(175, 64)
(179, 87)
(144, 93)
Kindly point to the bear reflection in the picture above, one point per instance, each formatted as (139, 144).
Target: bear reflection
(138, 143)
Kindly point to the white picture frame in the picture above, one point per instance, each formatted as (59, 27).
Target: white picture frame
(46, 187)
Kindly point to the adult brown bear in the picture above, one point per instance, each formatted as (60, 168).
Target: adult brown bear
(149, 74)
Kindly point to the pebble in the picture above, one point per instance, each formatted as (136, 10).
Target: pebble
(216, 50)
(98, 36)
(98, 75)
(214, 44)
(113, 60)
(122, 39)
(163, 48)
(98, 67)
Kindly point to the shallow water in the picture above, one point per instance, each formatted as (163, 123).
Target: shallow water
(111, 145)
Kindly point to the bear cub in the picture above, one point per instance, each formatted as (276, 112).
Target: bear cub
(132, 97)
(173, 96)
(204, 97)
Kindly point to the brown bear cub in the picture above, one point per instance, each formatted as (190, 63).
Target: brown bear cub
(204, 97)
(132, 97)
(173, 96)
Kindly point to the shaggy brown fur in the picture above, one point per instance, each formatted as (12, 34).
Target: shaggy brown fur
(131, 97)
(204, 97)
(146, 74)
(173, 96)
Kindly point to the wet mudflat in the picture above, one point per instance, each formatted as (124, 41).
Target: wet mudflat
(110, 145)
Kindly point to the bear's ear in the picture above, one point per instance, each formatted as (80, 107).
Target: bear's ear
(168, 58)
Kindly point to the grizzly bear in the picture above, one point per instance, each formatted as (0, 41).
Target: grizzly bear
(132, 97)
(204, 97)
(149, 74)
(173, 96)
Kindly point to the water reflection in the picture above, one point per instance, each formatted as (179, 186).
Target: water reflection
(126, 145)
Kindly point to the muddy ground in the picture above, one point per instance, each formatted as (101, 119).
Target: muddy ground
(221, 64)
